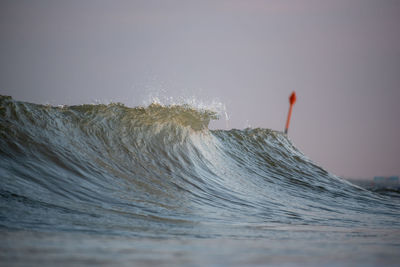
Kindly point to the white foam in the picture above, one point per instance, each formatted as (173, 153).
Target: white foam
(214, 105)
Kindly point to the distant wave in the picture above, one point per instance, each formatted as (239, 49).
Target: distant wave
(159, 171)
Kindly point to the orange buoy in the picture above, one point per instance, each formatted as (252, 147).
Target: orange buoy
(292, 100)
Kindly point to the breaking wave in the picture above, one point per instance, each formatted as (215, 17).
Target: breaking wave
(159, 171)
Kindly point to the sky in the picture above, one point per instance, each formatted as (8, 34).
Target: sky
(342, 57)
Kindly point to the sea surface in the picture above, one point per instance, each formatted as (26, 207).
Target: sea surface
(118, 186)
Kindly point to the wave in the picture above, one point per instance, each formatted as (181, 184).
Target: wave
(159, 171)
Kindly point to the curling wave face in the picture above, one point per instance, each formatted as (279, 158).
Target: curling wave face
(159, 171)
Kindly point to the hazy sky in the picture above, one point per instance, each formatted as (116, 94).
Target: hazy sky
(341, 57)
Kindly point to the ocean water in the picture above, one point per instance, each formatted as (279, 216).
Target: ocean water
(113, 185)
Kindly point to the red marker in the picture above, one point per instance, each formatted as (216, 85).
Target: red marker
(292, 100)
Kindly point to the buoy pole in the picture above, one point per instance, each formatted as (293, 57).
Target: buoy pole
(292, 100)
